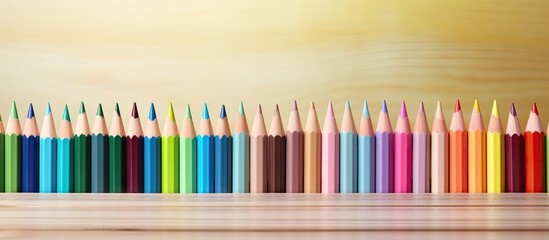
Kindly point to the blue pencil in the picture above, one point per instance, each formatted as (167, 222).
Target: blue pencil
(48, 154)
(99, 154)
(366, 153)
(223, 155)
(348, 153)
(205, 157)
(152, 154)
(65, 155)
(30, 154)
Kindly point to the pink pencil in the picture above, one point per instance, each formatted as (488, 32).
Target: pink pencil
(330, 153)
(403, 153)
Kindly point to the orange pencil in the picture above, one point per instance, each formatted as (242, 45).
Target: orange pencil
(477, 152)
(534, 149)
(458, 152)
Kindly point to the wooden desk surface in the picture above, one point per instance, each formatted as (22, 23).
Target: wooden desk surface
(274, 216)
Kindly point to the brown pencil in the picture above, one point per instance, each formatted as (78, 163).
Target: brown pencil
(312, 153)
(294, 153)
(276, 155)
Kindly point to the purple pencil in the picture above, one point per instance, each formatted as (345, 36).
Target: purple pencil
(385, 147)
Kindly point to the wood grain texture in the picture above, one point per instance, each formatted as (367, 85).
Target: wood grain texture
(268, 215)
(223, 52)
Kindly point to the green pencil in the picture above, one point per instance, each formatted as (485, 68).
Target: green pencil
(117, 154)
(187, 164)
(82, 153)
(13, 152)
(170, 154)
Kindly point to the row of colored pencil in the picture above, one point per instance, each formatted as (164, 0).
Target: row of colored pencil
(332, 160)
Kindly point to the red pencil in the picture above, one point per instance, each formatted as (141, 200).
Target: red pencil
(534, 148)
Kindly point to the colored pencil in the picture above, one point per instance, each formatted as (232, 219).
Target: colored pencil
(134, 154)
(48, 154)
(458, 152)
(99, 154)
(117, 154)
(495, 153)
(13, 152)
(294, 152)
(223, 155)
(276, 155)
(241, 153)
(30, 154)
(2, 154)
(205, 154)
(366, 153)
(385, 148)
(152, 152)
(439, 153)
(421, 158)
(82, 153)
(170, 154)
(477, 152)
(348, 153)
(514, 154)
(330, 153)
(312, 153)
(187, 155)
(403, 153)
(65, 155)
(534, 148)
(258, 154)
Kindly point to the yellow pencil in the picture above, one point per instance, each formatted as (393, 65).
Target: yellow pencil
(495, 153)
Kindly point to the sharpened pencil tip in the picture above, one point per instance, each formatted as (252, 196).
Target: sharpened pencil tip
(135, 113)
(276, 110)
(476, 106)
(439, 114)
(384, 106)
(48, 109)
(294, 106)
(535, 108)
(259, 110)
(117, 109)
(171, 114)
(99, 110)
(365, 110)
(14, 113)
(30, 113)
(152, 112)
(403, 112)
(348, 104)
(66, 115)
(421, 107)
(223, 113)
(241, 109)
(512, 110)
(330, 111)
(495, 109)
(457, 107)
(82, 108)
(188, 112)
(205, 113)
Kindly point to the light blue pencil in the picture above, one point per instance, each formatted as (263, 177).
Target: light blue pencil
(241, 153)
(366, 153)
(205, 154)
(65, 155)
(48, 155)
(348, 153)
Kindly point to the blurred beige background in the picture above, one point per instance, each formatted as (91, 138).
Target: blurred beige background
(273, 52)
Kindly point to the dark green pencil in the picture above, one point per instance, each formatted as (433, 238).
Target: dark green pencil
(82, 153)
